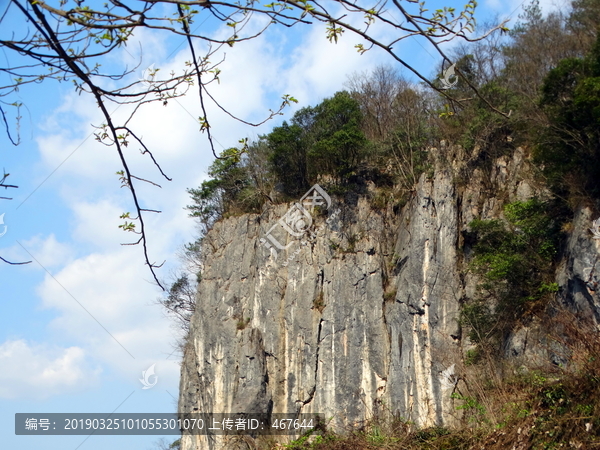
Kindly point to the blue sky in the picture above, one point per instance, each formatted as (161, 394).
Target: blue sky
(80, 323)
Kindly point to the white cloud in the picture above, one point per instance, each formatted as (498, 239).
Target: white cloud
(97, 223)
(73, 150)
(48, 251)
(111, 281)
(110, 310)
(319, 68)
(109, 285)
(37, 371)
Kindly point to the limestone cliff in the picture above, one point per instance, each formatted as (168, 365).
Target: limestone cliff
(359, 316)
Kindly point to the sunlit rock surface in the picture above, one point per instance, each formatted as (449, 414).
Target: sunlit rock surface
(360, 316)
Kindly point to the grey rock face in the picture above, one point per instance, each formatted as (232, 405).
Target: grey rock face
(579, 274)
(357, 318)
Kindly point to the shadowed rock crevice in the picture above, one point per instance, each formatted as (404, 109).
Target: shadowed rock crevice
(362, 321)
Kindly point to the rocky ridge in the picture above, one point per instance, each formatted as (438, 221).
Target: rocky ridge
(359, 316)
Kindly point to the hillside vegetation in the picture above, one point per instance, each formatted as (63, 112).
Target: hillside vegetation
(379, 129)
(373, 139)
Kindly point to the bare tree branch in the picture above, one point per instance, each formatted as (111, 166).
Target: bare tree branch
(14, 263)
(69, 42)
(7, 198)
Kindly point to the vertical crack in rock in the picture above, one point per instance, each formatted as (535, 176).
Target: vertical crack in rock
(426, 246)
(311, 394)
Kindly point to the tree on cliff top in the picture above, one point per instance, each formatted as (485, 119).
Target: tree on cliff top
(75, 40)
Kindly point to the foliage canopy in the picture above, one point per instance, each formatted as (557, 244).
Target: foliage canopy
(77, 41)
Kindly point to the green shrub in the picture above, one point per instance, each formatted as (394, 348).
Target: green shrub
(568, 149)
(473, 356)
(288, 147)
(390, 296)
(228, 187)
(323, 140)
(319, 302)
(242, 324)
(514, 260)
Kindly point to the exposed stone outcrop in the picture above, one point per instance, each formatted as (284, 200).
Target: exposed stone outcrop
(579, 273)
(363, 318)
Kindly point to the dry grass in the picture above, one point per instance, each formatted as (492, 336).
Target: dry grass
(547, 407)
